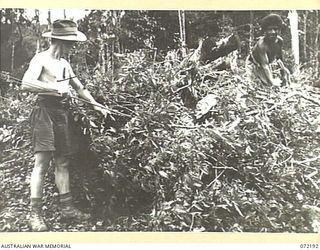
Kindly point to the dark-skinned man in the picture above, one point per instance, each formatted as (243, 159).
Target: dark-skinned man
(268, 52)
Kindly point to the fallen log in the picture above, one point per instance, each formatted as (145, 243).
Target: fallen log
(221, 56)
(211, 51)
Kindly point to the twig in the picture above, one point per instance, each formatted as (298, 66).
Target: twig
(290, 157)
(312, 174)
(215, 179)
(69, 78)
(217, 133)
(224, 166)
(237, 209)
(101, 106)
(282, 101)
(192, 222)
(313, 182)
(73, 97)
(4, 98)
(183, 87)
(184, 126)
(309, 99)
(307, 160)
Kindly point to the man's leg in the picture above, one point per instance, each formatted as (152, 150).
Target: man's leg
(63, 184)
(42, 160)
(62, 174)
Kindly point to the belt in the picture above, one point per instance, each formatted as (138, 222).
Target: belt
(49, 101)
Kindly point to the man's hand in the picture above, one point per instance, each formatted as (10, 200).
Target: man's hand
(285, 73)
(85, 94)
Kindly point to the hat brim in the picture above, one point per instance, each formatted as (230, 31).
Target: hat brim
(79, 36)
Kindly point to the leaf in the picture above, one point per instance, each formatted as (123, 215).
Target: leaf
(112, 129)
(149, 168)
(196, 184)
(205, 105)
(163, 174)
(248, 150)
(6, 227)
(234, 124)
(92, 124)
(199, 229)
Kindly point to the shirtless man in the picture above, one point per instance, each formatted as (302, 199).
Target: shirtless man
(49, 75)
(266, 51)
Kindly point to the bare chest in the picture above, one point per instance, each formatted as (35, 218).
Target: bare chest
(273, 52)
(54, 71)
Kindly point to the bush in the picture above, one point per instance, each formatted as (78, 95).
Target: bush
(249, 164)
(240, 168)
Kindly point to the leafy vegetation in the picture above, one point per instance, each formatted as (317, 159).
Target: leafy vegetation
(249, 164)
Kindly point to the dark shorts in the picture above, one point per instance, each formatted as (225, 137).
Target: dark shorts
(51, 128)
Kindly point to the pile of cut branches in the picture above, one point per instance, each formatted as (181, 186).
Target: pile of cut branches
(242, 157)
(248, 164)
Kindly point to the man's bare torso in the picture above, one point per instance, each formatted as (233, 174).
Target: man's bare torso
(272, 50)
(53, 70)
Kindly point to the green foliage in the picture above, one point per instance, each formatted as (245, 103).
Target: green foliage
(20, 33)
(245, 166)
(240, 168)
(15, 162)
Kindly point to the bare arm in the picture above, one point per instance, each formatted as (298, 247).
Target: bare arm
(262, 58)
(285, 73)
(82, 92)
(30, 80)
(85, 94)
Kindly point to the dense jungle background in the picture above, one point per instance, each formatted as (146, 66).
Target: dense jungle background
(191, 144)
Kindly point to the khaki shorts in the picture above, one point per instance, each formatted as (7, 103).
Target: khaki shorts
(51, 130)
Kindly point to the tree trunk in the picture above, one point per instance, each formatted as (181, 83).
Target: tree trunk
(293, 17)
(12, 56)
(112, 60)
(184, 29)
(102, 56)
(182, 25)
(117, 42)
(12, 46)
(305, 25)
(251, 35)
(107, 56)
(49, 19)
(101, 64)
(223, 22)
(316, 45)
(38, 32)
